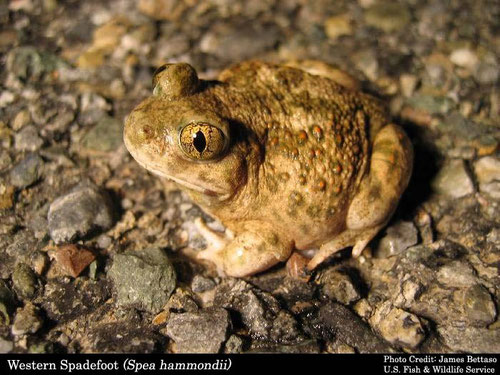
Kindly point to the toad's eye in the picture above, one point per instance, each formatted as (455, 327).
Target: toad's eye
(202, 141)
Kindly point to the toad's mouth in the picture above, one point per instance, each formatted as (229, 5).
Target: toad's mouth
(208, 191)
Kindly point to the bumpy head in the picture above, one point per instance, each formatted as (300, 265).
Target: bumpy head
(179, 133)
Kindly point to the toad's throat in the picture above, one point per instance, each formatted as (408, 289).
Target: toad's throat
(211, 192)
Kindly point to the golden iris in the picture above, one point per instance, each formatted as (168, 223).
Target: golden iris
(202, 141)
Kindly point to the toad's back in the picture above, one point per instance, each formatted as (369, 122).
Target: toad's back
(316, 138)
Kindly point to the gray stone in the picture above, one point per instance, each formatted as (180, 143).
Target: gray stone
(338, 286)
(487, 170)
(199, 332)
(202, 284)
(105, 136)
(6, 303)
(457, 274)
(27, 320)
(5, 159)
(143, 279)
(453, 180)
(260, 312)
(63, 118)
(63, 301)
(43, 347)
(486, 73)
(478, 305)
(430, 104)
(4, 314)
(78, 213)
(172, 46)
(93, 108)
(5, 345)
(234, 344)
(21, 246)
(399, 327)
(292, 290)
(27, 172)
(285, 328)
(470, 339)
(398, 238)
(464, 57)
(5, 293)
(306, 346)
(233, 42)
(338, 25)
(388, 16)
(128, 336)
(24, 281)
(29, 63)
(347, 329)
(182, 300)
(27, 139)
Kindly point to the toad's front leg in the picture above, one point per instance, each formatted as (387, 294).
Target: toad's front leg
(253, 249)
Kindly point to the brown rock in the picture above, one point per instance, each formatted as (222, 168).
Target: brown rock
(170, 10)
(73, 259)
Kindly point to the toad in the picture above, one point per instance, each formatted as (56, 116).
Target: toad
(288, 158)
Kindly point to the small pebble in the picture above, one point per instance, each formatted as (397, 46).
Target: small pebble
(456, 274)
(337, 26)
(24, 281)
(453, 180)
(27, 320)
(27, 139)
(105, 136)
(143, 279)
(73, 259)
(408, 83)
(202, 284)
(338, 286)
(6, 196)
(478, 306)
(78, 213)
(22, 119)
(6, 346)
(170, 10)
(6, 98)
(234, 344)
(464, 57)
(39, 262)
(398, 238)
(387, 16)
(487, 170)
(487, 74)
(27, 172)
(199, 332)
(397, 326)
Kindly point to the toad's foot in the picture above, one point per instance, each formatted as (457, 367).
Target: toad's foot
(347, 238)
(378, 195)
(252, 250)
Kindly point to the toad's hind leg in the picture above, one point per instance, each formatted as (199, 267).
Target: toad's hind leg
(378, 195)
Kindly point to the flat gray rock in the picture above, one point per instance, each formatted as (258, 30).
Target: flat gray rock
(143, 279)
(78, 213)
(203, 331)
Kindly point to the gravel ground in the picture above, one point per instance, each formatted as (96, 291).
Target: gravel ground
(95, 252)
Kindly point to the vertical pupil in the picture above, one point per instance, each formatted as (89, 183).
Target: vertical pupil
(199, 141)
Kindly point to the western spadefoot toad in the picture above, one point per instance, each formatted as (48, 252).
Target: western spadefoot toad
(287, 160)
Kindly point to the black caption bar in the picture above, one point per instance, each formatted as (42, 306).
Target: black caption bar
(182, 363)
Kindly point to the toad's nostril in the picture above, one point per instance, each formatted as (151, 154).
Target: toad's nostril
(146, 132)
